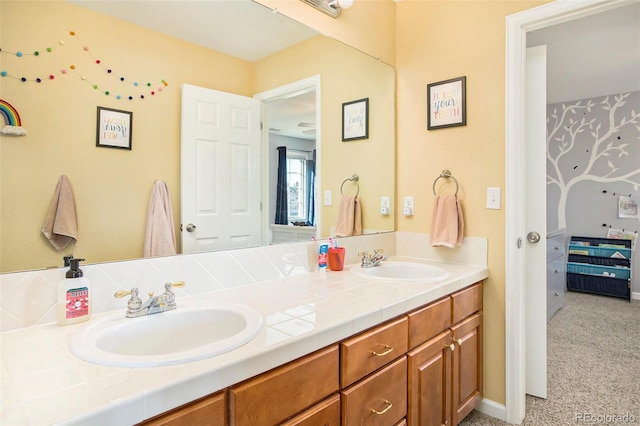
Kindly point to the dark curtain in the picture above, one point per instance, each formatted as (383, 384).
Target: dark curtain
(282, 212)
(311, 178)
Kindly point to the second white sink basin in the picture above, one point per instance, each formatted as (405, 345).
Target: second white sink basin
(402, 271)
(191, 332)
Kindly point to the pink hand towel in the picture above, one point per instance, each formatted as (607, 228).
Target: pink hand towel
(349, 220)
(160, 236)
(61, 224)
(447, 224)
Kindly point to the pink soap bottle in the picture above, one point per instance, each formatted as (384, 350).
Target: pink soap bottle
(74, 304)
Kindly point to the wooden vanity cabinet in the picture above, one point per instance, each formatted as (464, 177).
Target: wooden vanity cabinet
(422, 368)
(210, 410)
(445, 372)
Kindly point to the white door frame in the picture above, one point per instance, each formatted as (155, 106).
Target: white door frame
(288, 90)
(517, 27)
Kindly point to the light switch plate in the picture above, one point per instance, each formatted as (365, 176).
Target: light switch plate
(327, 197)
(493, 198)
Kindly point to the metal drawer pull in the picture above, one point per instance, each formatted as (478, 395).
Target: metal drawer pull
(458, 341)
(387, 408)
(388, 348)
(451, 346)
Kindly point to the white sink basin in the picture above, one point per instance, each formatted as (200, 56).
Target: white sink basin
(191, 332)
(402, 271)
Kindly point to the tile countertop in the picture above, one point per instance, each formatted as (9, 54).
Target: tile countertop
(44, 383)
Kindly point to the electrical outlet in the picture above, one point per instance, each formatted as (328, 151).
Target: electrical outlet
(407, 206)
(408, 202)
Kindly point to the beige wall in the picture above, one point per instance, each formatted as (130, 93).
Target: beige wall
(438, 40)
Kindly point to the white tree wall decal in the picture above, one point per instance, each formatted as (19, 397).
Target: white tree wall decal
(568, 132)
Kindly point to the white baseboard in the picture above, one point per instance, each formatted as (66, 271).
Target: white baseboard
(493, 409)
(635, 295)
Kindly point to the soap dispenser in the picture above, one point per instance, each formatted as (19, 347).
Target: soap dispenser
(74, 305)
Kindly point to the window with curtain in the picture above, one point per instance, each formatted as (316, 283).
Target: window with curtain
(297, 186)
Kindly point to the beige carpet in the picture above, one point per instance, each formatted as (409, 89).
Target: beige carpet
(593, 358)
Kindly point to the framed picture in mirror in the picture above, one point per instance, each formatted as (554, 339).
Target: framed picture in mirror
(447, 103)
(113, 128)
(355, 120)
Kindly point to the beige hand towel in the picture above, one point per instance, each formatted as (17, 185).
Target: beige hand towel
(349, 221)
(61, 224)
(160, 237)
(447, 223)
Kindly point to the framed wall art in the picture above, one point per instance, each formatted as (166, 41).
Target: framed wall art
(355, 120)
(113, 128)
(447, 103)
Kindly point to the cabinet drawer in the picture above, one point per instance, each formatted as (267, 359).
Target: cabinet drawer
(325, 413)
(372, 349)
(555, 248)
(210, 410)
(429, 321)
(466, 302)
(384, 391)
(276, 395)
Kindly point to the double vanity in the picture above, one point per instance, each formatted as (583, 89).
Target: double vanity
(374, 346)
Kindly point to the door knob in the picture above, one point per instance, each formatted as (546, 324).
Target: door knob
(532, 237)
(191, 227)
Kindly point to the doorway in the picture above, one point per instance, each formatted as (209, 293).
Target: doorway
(291, 116)
(516, 225)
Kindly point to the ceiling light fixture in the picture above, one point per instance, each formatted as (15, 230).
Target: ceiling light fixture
(332, 8)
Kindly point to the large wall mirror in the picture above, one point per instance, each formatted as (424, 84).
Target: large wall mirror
(113, 47)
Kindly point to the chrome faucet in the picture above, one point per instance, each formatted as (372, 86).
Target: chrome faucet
(154, 305)
(375, 259)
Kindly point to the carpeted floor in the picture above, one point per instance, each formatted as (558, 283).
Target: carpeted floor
(593, 356)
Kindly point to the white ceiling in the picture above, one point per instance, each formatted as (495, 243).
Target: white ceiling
(593, 56)
(214, 24)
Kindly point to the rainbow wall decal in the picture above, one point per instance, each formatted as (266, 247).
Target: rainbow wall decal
(11, 119)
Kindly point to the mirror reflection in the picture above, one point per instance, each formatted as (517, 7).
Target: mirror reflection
(112, 186)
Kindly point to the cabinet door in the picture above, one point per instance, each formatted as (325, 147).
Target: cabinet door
(467, 366)
(379, 399)
(210, 410)
(429, 371)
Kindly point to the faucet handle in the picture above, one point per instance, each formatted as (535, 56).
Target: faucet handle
(178, 284)
(121, 293)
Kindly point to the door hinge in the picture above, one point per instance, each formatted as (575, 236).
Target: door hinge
(519, 243)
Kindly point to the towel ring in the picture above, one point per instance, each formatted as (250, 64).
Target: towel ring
(446, 174)
(354, 178)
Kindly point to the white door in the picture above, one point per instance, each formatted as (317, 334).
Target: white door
(220, 178)
(535, 176)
